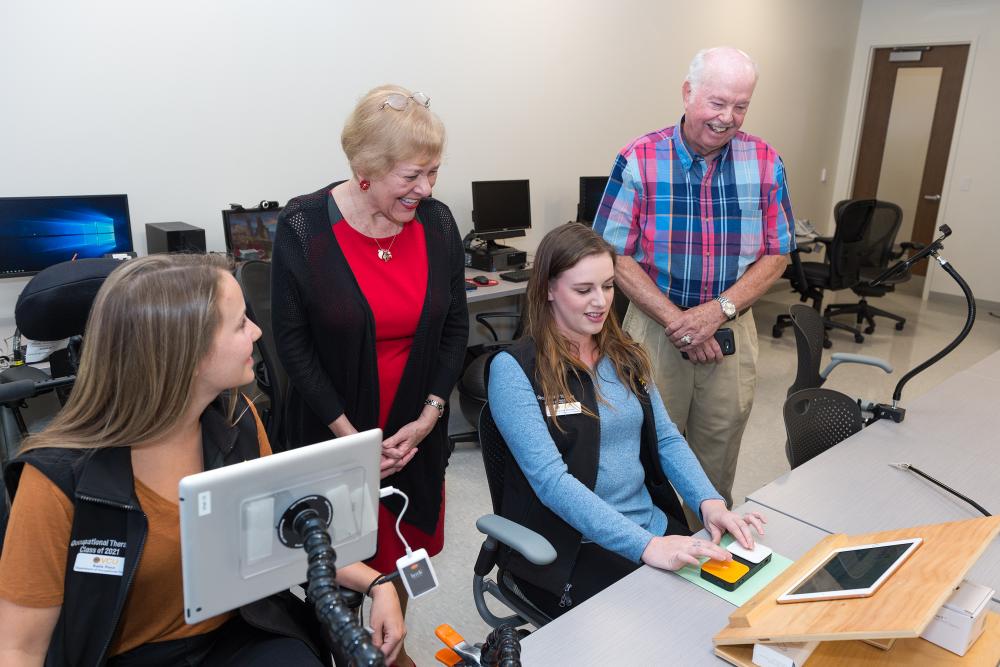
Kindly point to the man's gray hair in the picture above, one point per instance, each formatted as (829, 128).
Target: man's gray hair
(696, 69)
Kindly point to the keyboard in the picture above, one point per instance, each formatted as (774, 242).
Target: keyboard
(518, 276)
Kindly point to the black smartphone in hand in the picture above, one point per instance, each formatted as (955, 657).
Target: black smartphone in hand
(726, 340)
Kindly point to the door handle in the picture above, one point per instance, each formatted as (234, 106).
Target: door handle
(932, 197)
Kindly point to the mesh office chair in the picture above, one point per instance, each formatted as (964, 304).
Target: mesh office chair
(501, 536)
(254, 278)
(881, 250)
(809, 335)
(816, 420)
(472, 384)
(841, 269)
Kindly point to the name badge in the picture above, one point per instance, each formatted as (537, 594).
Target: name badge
(564, 409)
(99, 564)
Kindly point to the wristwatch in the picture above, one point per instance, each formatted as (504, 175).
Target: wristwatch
(728, 307)
(436, 404)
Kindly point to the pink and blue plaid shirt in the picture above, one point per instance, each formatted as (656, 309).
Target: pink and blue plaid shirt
(694, 226)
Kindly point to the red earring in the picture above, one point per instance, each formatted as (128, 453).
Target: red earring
(364, 185)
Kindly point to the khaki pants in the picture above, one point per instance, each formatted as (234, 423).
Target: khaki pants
(710, 403)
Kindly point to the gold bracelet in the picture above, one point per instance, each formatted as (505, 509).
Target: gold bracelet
(436, 404)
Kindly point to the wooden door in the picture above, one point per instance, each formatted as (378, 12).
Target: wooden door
(878, 108)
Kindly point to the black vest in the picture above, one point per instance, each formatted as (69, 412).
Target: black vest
(107, 519)
(579, 444)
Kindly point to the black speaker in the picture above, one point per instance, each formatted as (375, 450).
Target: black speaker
(174, 237)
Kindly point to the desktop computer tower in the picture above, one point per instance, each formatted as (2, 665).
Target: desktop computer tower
(500, 258)
(174, 237)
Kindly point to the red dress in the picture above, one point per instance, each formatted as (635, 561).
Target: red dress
(395, 293)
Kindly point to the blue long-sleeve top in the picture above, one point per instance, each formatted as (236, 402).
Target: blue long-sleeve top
(619, 513)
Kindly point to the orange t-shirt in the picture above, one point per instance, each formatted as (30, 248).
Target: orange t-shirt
(33, 564)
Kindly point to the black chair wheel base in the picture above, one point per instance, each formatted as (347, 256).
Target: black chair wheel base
(776, 331)
(899, 326)
(868, 330)
(858, 338)
(827, 343)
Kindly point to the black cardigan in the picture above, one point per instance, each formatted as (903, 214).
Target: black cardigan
(325, 337)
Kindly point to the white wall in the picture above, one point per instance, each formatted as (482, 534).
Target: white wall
(187, 106)
(968, 200)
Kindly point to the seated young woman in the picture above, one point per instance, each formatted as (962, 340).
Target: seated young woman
(166, 344)
(593, 444)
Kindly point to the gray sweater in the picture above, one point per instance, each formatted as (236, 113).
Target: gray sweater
(618, 514)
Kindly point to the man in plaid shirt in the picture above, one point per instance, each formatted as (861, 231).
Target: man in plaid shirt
(699, 215)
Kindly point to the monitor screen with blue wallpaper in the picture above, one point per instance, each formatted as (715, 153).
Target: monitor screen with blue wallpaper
(37, 232)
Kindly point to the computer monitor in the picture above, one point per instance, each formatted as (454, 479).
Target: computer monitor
(37, 232)
(237, 544)
(591, 191)
(500, 209)
(250, 232)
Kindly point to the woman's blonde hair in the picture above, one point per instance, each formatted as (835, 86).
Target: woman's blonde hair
(152, 322)
(560, 250)
(377, 137)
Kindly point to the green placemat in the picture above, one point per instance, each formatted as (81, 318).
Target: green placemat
(749, 589)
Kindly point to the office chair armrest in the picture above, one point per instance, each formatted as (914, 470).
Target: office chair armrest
(796, 275)
(523, 540)
(838, 358)
(483, 318)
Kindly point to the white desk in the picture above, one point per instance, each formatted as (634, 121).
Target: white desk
(653, 617)
(486, 293)
(952, 433)
(988, 367)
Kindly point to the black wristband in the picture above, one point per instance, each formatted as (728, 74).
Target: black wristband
(377, 581)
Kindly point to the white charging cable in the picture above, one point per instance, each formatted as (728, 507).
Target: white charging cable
(387, 491)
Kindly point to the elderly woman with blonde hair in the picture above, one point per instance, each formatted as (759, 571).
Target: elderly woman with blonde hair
(369, 311)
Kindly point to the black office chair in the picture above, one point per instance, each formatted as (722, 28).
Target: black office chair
(840, 270)
(472, 384)
(816, 420)
(502, 535)
(809, 336)
(254, 278)
(53, 306)
(881, 251)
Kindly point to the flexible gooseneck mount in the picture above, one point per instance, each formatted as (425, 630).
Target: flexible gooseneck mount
(893, 411)
(502, 648)
(350, 643)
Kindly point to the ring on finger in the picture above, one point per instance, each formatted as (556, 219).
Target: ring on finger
(686, 339)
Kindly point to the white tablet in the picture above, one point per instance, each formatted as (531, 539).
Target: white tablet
(852, 572)
(236, 542)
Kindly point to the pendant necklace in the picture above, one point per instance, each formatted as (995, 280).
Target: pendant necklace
(385, 254)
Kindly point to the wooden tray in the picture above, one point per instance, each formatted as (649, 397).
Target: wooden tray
(901, 608)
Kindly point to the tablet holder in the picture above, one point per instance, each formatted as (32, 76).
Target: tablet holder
(893, 411)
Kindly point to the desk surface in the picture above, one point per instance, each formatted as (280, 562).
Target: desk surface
(988, 367)
(950, 433)
(653, 617)
(504, 288)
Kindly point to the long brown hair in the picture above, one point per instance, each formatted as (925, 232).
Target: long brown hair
(560, 250)
(152, 321)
